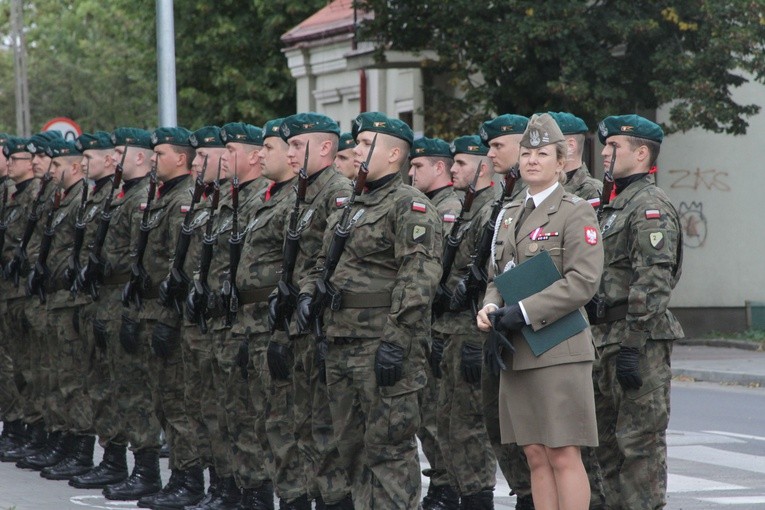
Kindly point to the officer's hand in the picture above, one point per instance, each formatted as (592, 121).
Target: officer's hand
(243, 357)
(273, 301)
(470, 363)
(627, 371)
(483, 320)
(459, 299)
(389, 362)
(509, 318)
(129, 334)
(303, 312)
(279, 358)
(163, 338)
(436, 355)
(322, 348)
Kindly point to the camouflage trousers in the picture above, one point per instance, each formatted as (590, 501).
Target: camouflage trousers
(632, 426)
(428, 432)
(130, 375)
(69, 403)
(244, 416)
(99, 346)
(324, 470)
(471, 462)
(289, 474)
(375, 426)
(510, 457)
(10, 373)
(31, 317)
(202, 401)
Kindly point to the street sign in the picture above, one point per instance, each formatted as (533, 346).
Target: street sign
(66, 126)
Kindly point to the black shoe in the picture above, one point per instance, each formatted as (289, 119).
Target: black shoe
(142, 482)
(175, 481)
(12, 436)
(33, 442)
(79, 460)
(261, 498)
(58, 445)
(111, 470)
(524, 502)
(344, 504)
(226, 496)
(189, 491)
(441, 497)
(300, 503)
(483, 500)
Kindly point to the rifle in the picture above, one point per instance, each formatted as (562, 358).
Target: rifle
(229, 294)
(174, 288)
(73, 266)
(20, 262)
(471, 286)
(201, 299)
(325, 293)
(287, 292)
(608, 185)
(92, 274)
(453, 240)
(140, 281)
(40, 274)
(3, 225)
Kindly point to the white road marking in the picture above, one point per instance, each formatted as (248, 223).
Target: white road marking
(706, 455)
(681, 483)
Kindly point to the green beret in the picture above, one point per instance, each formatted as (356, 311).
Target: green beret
(39, 141)
(131, 136)
(569, 123)
(470, 144)
(346, 142)
(61, 148)
(96, 141)
(4, 137)
(14, 145)
(307, 123)
(430, 147)
(171, 135)
(272, 128)
(377, 122)
(542, 130)
(507, 124)
(629, 125)
(208, 136)
(239, 132)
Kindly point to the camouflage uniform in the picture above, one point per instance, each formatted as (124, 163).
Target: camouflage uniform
(387, 276)
(272, 399)
(583, 185)
(325, 473)
(643, 258)
(447, 204)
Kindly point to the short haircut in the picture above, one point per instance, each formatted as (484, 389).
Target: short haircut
(393, 142)
(653, 148)
(332, 137)
(580, 139)
(448, 162)
(188, 150)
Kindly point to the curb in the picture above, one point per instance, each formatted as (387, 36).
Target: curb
(749, 380)
(723, 342)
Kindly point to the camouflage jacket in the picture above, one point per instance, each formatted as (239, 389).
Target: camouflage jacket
(448, 206)
(470, 232)
(642, 240)
(393, 252)
(126, 213)
(91, 216)
(583, 185)
(16, 212)
(63, 225)
(261, 260)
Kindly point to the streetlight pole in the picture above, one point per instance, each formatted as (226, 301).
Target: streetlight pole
(168, 114)
(20, 69)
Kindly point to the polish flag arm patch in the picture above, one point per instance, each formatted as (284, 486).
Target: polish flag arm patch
(449, 218)
(341, 201)
(652, 214)
(185, 209)
(591, 235)
(595, 202)
(419, 207)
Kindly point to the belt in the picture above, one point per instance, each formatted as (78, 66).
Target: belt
(255, 295)
(366, 300)
(613, 313)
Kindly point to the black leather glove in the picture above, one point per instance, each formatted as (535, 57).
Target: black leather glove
(99, 334)
(191, 305)
(389, 362)
(496, 343)
(509, 318)
(243, 357)
(164, 292)
(470, 363)
(436, 355)
(459, 301)
(129, 334)
(322, 347)
(163, 338)
(279, 358)
(627, 371)
(303, 312)
(441, 301)
(273, 300)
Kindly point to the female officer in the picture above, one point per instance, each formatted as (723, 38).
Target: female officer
(546, 402)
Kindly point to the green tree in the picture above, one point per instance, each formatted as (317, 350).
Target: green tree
(594, 58)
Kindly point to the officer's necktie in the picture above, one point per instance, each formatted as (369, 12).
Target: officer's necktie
(524, 214)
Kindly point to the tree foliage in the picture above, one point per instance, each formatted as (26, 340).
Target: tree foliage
(594, 58)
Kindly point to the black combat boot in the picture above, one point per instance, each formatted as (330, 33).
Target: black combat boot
(344, 504)
(190, 491)
(300, 503)
(483, 500)
(226, 497)
(175, 481)
(441, 497)
(261, 498)
(12, 436)
(34, 440)
(142, 482)
(524, 502)
(213, 492)
(57, 447)
(77, 462)
(111, 470)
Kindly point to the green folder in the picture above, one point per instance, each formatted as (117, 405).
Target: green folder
(528, 278)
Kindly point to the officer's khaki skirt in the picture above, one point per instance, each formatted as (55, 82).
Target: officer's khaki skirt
(553, 406)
